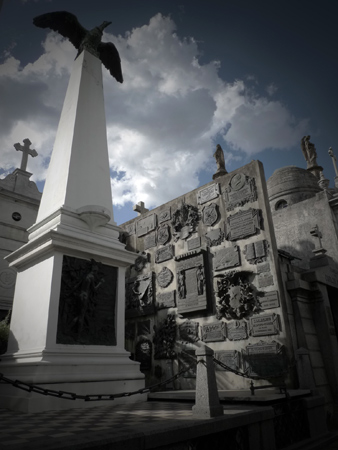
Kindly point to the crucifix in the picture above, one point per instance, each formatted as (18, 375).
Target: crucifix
(25, 152)
(140, 209)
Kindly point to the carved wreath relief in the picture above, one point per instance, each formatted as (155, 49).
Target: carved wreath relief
(184, 221)
(241, 190)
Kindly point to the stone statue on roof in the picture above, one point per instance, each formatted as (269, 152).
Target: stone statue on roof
(219, 157)
(309, 151)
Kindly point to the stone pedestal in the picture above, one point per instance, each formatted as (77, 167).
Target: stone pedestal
(207, 401)
(75, 219)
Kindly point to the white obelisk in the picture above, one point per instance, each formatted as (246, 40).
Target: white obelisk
(75, 219)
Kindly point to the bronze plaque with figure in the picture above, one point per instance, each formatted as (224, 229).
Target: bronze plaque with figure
(87, 303)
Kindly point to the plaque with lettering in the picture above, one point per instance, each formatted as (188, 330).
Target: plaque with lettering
(150, 241)
(214, 237)
(164, 277)
(265, 359)
(164, 215)
(243, 224)
(163, 234)
(265, 279)
(263, 267)
(130, 228)
(210, 214)
(213, 332)
(194, 243)
(208, 193)
(270, 300)
(241, 190)
(227, 257)
(229, 358)
(188, 331)
(191, 282)
(164, 254)
(237, 330)
(256, 252)
(165, 300)
(264, 325)
(145, 225)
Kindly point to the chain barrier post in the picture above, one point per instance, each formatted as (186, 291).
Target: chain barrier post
(207, 402)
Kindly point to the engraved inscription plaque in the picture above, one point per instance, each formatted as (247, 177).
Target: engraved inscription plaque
(208, 193)
(237, 330)
(213, 332)
(243, 224)
(265, 279)
(270, 300)
(226, 258)
(256, 251)
(264, 325)
(228, 357)
(130, 228)
(210, 214)
(164, 215)
(214, 237)
(189, 331)
(164, 254)
(164, 277)
(241, 190)
(150, 241)
(263, 267)
(165, 300)
(265, 359)
(194, 243)
(143, 226)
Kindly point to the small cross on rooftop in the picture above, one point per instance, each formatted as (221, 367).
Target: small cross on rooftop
(140, 209)
(25, 152)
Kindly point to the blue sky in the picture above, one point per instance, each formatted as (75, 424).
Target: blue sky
(252, 76)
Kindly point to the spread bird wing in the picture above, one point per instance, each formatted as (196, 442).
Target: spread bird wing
(64, 23)
(111, 59)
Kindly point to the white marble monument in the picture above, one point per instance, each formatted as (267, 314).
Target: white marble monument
(75, 221)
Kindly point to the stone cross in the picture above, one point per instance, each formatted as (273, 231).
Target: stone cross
(140, 209)
(25, 152)
(315, 232)
(334, 160)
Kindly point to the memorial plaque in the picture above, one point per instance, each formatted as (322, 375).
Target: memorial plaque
(256, 251)
(164, 254)
(214, 237)
(264, 325)
(237, 330)
(265, 360)
(145, 225)
(150, 241)
(208, 193)
(241, 190)
(130, 228)
(213, 332)
(188, 331)
(270, 300)
(243, 224)
(194, 243)
(228, 357)
(226, 258)
(163, 234)
(164, 277)
(165, 300)
(139, 296)
(164, 215)
(143, 327)
(265, 279)
(191, 281)
(263, 267)
(210, 214)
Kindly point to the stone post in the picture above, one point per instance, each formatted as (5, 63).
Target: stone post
(207, 403)
(304, 369)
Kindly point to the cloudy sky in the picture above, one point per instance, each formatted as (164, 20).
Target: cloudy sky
(252, 76)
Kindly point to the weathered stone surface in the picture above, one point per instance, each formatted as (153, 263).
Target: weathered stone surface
(228, 357)
(241, 190)
(139, 296)
(188, 331)
(226, 258)
(243, 224)
(263, 267)
(165, 300)
(163, 234)
(256, 252)
(210, 214)
(130, 228)
(213, 332)
(265, 279)
(264, 325)
(145, 225)
(164, 254)
(164, 277)
(214, 237)
(164, 215)
(237, 330)
(150, 240)
(208, 193)
(194, 243)
(270, 300)
(265, 359)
